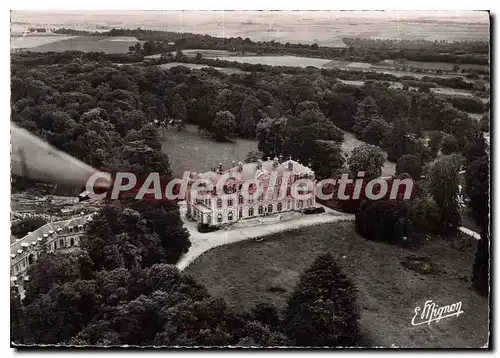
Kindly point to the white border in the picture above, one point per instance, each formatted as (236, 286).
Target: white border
(186, 4)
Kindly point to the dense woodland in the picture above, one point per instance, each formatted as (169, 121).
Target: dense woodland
(123, 289)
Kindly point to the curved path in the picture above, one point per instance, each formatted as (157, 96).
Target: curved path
(202, 242)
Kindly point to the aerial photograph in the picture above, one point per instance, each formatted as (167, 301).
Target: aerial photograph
(250, 179)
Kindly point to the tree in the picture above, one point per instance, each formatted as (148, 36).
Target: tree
(60, 314)
(409, 164)
(249, 116)
(271, 134)
(376, 132)
(223, 126)
(484, 124)
(121, 238)
(179, 108)
(149, 135)
(17, 333)
(179, 56)
(147, 48)
(328, 158)
(322, 310)
(442, 184)
(302, 131)
(481, 268)
(254, 156)
(267, 314)
(426, 216)
(386, 220)
(449, 145)
(56, 269)
(366, 112)
(477, 188)
(402, 141)
(366, 158)
(435, 138)
(476, 149)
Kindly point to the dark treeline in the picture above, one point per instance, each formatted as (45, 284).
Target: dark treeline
(356, 50)
(29, 58)
(456, 47)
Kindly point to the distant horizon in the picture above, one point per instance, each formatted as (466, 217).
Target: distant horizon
(92, 17)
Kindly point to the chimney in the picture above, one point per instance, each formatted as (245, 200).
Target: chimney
(275, 162)
(233, 164)
(309, 163)
(240, 167)
(259, 164)
(281, 158)
(220, 168)
(268, 159)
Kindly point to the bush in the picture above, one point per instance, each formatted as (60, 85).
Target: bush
(317, 210)
(484, 124)
(426, 216)
(322, 311)
(203, 228)
(409, 164)
(267, 314)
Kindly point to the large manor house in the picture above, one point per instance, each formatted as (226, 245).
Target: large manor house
(217, 209)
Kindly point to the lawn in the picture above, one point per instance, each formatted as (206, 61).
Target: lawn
(188, 151)
(247, 272)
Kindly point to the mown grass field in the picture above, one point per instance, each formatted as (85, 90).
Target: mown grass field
(248, 272)
(188, 151)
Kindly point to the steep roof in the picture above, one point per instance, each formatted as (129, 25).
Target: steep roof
(33, 236)
(250, 170)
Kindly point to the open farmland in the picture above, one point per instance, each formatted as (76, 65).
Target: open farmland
(105, 44)
(30, 42)
(326, 28)
(249, 272)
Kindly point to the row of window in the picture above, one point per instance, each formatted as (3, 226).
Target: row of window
(230, 202)
(260, 210)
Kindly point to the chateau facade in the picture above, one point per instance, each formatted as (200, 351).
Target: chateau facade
(231, 205)
(51, 237)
